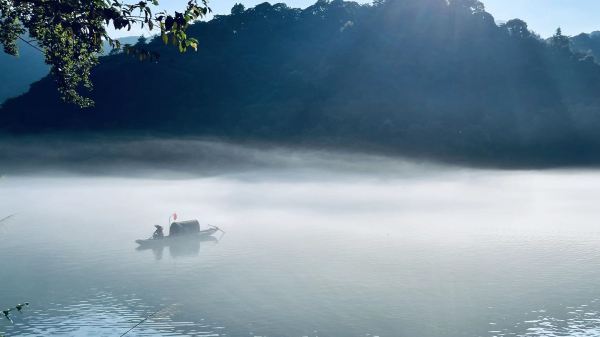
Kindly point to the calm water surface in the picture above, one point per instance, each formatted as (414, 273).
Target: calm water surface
(451, 253)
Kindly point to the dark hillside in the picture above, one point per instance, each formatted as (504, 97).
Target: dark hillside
(413, 77)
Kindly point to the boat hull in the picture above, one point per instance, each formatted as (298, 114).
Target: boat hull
(171, 239)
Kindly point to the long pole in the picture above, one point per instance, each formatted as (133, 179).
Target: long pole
(6, 218)
(2, 225)
(140, 322)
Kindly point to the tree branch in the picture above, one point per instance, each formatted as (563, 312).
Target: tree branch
(32, 45)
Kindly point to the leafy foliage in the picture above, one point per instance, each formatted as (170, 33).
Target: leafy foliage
(6, 313)
(70, 33)
(19, 307)
(432, 78)
(18, 73)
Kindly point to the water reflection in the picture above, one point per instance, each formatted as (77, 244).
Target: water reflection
(105, 315)
(179, 247)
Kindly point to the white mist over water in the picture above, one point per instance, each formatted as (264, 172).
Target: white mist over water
(389, 249)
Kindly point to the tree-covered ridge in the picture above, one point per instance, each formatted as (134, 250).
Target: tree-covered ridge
(588, 44)
(19, 72)
(431, 78)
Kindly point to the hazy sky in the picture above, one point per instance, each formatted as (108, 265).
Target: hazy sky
(543, 16)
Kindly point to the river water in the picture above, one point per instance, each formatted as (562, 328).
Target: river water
(422, 252)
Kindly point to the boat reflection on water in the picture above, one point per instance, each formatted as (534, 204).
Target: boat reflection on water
(183, 240)
(185, 246)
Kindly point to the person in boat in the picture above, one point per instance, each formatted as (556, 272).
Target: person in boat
(158, 233)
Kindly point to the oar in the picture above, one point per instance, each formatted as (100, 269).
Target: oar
(217, 228)
(6, 218)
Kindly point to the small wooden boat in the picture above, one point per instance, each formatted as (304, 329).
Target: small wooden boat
(180, 231)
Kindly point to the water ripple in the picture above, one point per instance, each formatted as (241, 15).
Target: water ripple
(579, 321)
(107, 316)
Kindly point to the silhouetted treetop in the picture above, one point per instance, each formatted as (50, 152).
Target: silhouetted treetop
(517, 28)
(560, 41)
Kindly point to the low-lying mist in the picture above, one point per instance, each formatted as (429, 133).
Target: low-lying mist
(185, 157)
(374, 243)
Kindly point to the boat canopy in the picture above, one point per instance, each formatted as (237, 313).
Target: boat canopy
(184, 227)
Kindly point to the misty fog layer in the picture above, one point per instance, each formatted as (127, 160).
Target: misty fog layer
(424, 252)
(182, 157)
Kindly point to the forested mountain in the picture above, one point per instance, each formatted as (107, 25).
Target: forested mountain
(433, 78)
(18, 73)
(588, 44)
